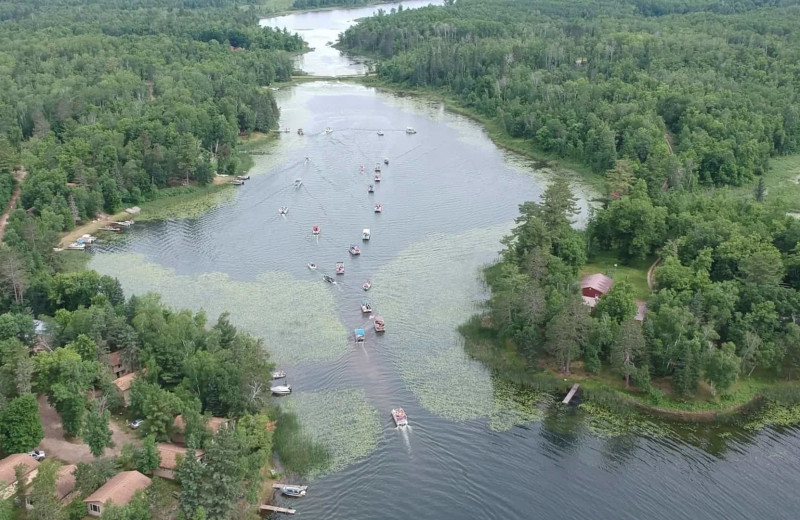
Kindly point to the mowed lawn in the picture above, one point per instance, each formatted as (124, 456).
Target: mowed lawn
(634, 272)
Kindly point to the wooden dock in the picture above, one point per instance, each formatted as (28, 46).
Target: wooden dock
(571, 393)
(276, 509)
(281, 486)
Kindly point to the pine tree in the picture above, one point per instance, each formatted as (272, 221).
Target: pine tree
(96, 432)
(147, 457)
(627, 352)
(760, 192)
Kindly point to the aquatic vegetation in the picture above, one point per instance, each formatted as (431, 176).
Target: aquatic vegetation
(514, 404)
(341, 421)
(249, 303)
(297, 451)
(186, 203)
(604, 423)
(774, 415)
(431, 359)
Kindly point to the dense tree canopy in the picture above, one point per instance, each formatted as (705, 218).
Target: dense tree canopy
(706, 95)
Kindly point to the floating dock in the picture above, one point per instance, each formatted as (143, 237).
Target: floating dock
(276, 509)
(571, 393)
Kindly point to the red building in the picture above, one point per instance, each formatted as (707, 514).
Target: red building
(596, 285)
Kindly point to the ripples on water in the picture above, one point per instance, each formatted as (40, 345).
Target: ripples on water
(477, 448)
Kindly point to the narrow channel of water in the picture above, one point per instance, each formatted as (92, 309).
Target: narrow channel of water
(477, 448)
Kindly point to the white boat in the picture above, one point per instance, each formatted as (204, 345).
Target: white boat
(380, 133)
(76, 246)
(377, 176)
(237, 182)
(293, 491)
(125, 223)
(410, 130)
(283, 210)
(280, 374)
(371, 189)
(312, 266)
(281, 389)
(366, 307)
(88, 239)
(400, 417)
(386, 162)
(298, 182)
(378, 208)
(315, 230)
(328, 130)
(354, 250)
(366, 285)
(243, 177)
(365, 234)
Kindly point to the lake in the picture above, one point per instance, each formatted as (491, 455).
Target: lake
(477, 447)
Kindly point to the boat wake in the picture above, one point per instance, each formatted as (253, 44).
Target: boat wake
(405, 433)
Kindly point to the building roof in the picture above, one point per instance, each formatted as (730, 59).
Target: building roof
(641, 310)
(169, 454)
(7, 467)
(213, 424)
(598, 282)
(120, 489)
(124, 383)
(65, 481)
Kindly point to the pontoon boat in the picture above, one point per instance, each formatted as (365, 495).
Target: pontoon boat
(365, 234)
(366, 285)
(237, 182)
(378, 208)
(354, 250)
(377, 176)
(339, 267)
(371, 188)
(293, 491)
(76, 246)
(359, 335)
(243, 177)
(410, 130)
(280, 374)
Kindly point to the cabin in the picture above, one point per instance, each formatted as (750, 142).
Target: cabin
(8, 476)
(170, 456)
(117, 364)
(118, 491)
(596, 285)
(123, 384)
(65, 485)
(213, 425)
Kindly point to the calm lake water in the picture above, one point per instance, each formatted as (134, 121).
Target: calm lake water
(477, 448)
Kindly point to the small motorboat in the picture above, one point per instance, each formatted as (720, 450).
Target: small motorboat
(283, 210)
(281, 389)
(237, 182)
(111, 228)
(377, 167)
(380, 324)
(366, 285)
(371, 188)
(315, 230)
(362, 169)
(400, 417)
(298, 182)
(410, 130)
(386, 162)
(77, 246)
(339, 267)
(378, 208)
(280, 374)
(366, 307)
(124, 223)
(377, 176)
(365, 234)
(293, 491)
(354, 250)
(299, 131)
(88, 239)
(328, 278)
(359, 335)
(312, 266)
(243, 177)
(380, 133)
(328, 130)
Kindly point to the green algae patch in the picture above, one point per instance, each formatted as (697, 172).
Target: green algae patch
(601, 422)
(182, 203)
(341, 421)
(259, 307)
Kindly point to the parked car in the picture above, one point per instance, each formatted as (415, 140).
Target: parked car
(37, 454)
(135, 424)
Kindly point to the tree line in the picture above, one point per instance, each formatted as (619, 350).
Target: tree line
(699, 98)
(104, 106)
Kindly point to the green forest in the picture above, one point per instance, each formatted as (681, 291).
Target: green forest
(668, 102)
(699, 98)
